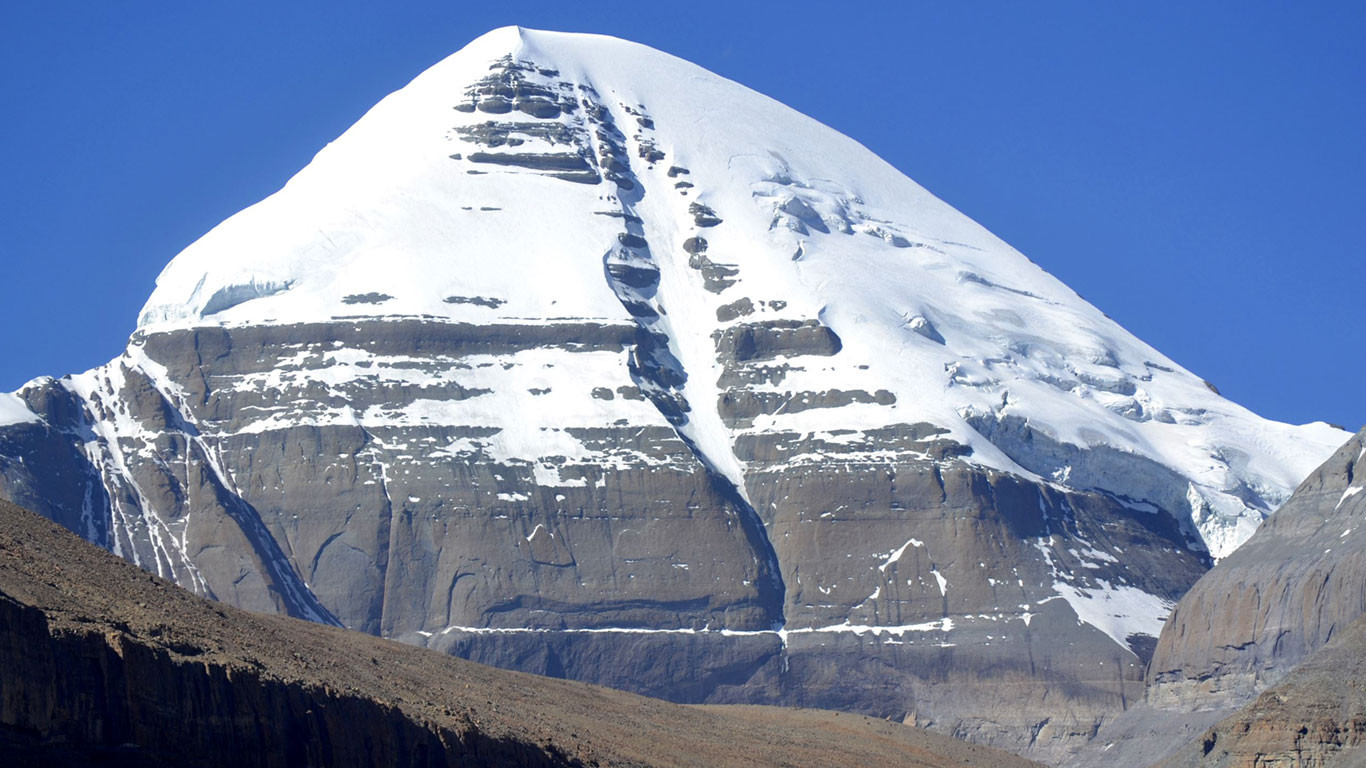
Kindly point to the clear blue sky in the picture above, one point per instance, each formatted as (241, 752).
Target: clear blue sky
(1197, 173)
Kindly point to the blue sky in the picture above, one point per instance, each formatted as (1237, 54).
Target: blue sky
(1197, 173)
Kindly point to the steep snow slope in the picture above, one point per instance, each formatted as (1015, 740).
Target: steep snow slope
(13, 410)
(963, 330)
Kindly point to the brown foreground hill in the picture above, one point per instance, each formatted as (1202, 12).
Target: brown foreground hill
(103, 663)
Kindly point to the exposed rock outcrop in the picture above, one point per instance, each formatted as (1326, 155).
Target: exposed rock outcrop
(1313, 718)
(101, 663)
(884, 576)
(1295, 585)
(1285, 610)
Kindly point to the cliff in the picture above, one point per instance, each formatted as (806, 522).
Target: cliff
(1315, 717)
(1293, 587)
(102, 662)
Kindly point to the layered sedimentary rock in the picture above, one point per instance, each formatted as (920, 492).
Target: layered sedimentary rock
(102, 664)
(574, 358)
(1295, 585)
(1315, 716)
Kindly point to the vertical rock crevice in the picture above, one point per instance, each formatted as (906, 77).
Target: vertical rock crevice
(632, 270)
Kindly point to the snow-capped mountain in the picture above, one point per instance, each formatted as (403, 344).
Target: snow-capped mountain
(571, 354)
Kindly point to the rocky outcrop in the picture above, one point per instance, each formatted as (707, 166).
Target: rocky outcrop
(1314, 717)
(884, 576)
(101, 663)
(1294, 586)
(1285, 610)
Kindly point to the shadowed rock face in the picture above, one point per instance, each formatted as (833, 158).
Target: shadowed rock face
(102, 664)
(82, 697)
(1291, 588)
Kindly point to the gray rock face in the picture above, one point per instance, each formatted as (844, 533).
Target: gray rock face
(911, 588)
(101, 664)
(1290, 600)
(1314, 716)
(1281, 596)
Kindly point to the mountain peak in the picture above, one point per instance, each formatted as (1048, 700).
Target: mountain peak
(571, 350)
(533, 175)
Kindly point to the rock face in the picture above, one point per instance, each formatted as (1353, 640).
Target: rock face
(1315, 716)
(1285, 606)
(1294, 586)
(103, 664)
(574, 358)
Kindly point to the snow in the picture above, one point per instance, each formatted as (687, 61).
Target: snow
(13, 410)
(1347, 494)
(1117, 610)
(928, 305)
(898, 630)
(528, 426)
(105, 448)
(895, 554)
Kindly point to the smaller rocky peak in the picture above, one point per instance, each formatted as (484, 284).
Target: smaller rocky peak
(1338, 491)
(1292, 587)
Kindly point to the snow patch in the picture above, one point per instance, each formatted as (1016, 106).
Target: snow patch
(13, 410)
(1117, 610)
(1347, 494)
(896, 554)
(943, 582)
